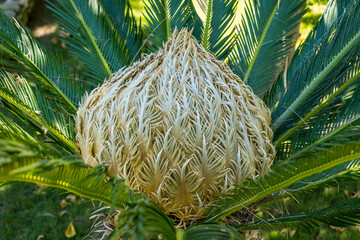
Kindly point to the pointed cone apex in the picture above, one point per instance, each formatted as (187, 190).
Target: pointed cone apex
(178, 126)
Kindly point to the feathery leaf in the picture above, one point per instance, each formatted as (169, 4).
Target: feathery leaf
(94, 38)
(18, 43)
(163, 16)
(24, 165)
(144, 219)
(281, 176)
(343, 214)
(216, 33)
(322, 70)
(211, 231)
(264, 39)
(19, 94)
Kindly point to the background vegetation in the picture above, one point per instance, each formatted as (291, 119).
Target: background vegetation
(29, 212)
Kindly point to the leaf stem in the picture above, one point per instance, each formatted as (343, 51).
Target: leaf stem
(38, 119)
(315, 82)
(300, 123)
(260, 43)
(206, 31)
(92, 39)
(284, 182)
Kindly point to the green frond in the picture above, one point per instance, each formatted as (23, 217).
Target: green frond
(323, 69)
(18, 163)
(339, 106)
(121, 16)
(343, 214)
(283, 174)
(333, 10)
(163, 16)
(335, 118)
(211, 231)
(144, 219)
(334, 124)
(19, 95)
(263, 41)
(94, 37)
(349, 171)
(216, 33)
(12, 131)
(48, 70)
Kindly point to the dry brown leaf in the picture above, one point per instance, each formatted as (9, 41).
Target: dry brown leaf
(71, 198)
(63, 203)
(62, 213)
(351, 194)
(338, 229)
(70, 231)
(292, 232)
(41, 186)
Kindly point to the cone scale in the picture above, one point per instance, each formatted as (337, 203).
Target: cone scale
(178, 126)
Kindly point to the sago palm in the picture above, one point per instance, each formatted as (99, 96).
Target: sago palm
(186, 126)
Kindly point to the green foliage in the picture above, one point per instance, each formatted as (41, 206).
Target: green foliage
(95, 37)
(342, 214)
(163, 16)
(264, 39)
(313, 98)
(216, 32)
(337, 47)
(17, 43)
(281, 176)
(20, 97)
(339, 190)
(18, 163)
(144, 219)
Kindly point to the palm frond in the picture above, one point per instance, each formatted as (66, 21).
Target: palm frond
(348, 171)
(343, 214)
(321, 72)
(94, 38)
(216, 33)
(281, 176)
(19, 163)
(144, 219)
(121, 16)
(335, 118)
(12, 131)
(18, 94)
(18, 43)
(333, 11)
(264, 39)
(163, 16)
(211, 231)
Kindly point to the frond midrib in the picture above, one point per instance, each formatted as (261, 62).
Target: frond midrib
(92, 39)
(308, 116)
(284, 183)
(38, 119)
(260, 43)
(299, 99)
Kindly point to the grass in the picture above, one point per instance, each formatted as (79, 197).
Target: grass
(28, 212)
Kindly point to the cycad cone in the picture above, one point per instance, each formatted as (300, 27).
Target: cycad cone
(178, 126)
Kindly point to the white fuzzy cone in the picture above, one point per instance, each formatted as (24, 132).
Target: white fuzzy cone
(178, 126)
